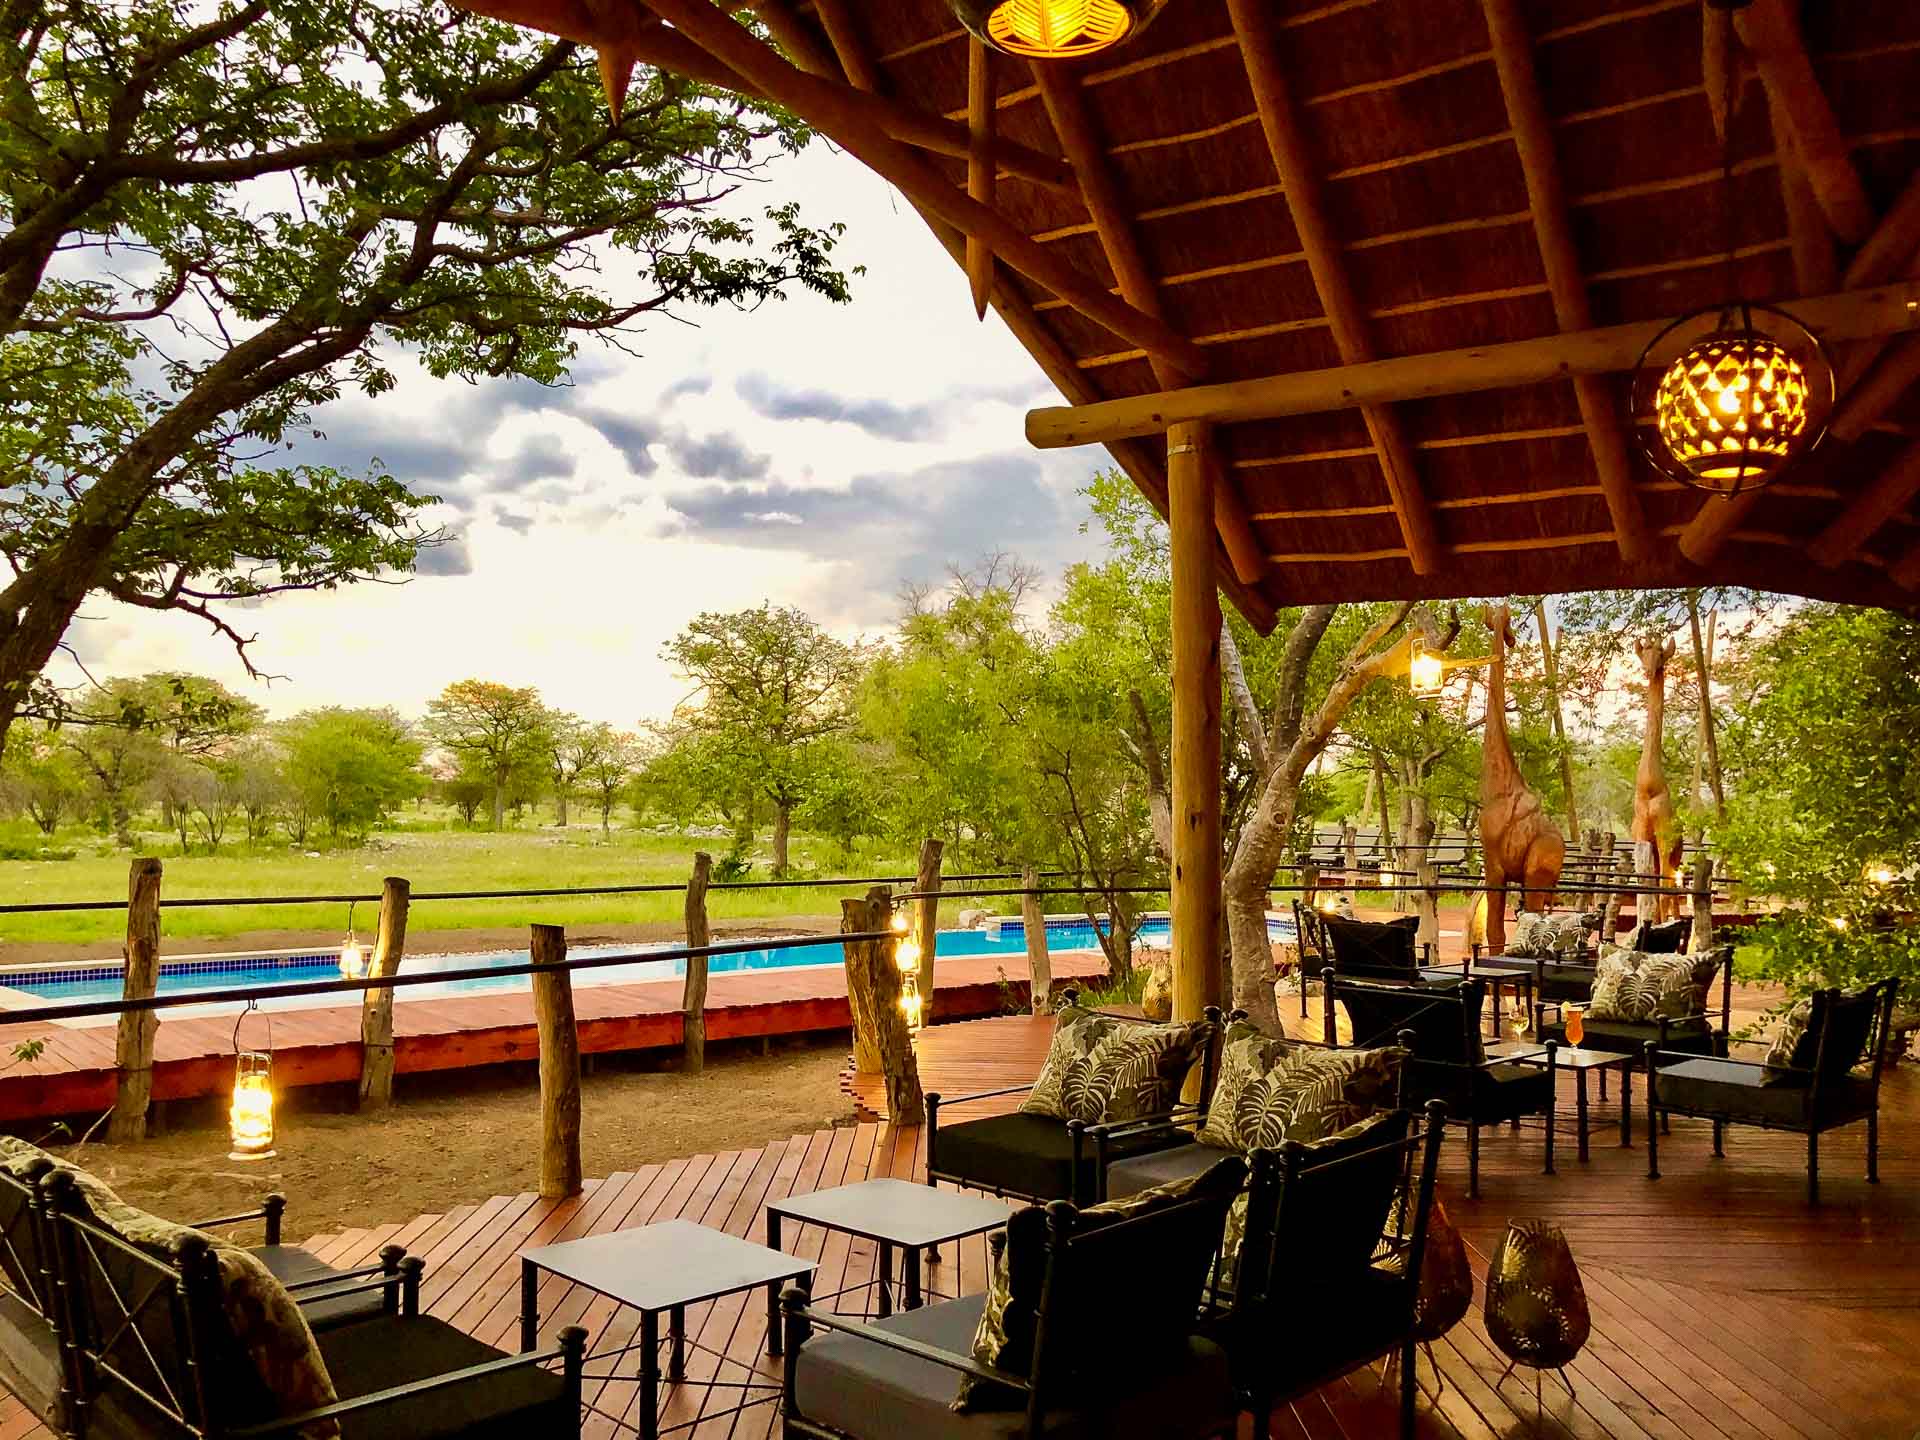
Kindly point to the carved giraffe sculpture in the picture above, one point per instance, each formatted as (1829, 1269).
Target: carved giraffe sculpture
(1518, 840)
(1653, 822)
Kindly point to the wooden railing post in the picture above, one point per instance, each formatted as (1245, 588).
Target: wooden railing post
(1610, 913)
(927, 913)
(1427, 903)
(693, 1003)
(376, 1005)
(873, 993)
(133, 1045)
(560, 1172)
(1702, 902)
(1039, 958)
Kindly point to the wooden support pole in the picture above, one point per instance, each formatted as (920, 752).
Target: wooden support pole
(376, 1006)
(133, 1043)
(1039, 959)
(873, 990)
(693, 1001)
(826, 106)
(980, 169)
(1196, 727)
(866, 1036)
(927, 919)
(1427, 903)
(1702, 903)
(1851, 315)
(560, 1171)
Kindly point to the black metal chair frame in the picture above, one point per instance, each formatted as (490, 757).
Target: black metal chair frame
(1079, 1131)
(1267, 1227)
(1039, 1386)
(1467, 995)
(174, 1400)
(1810, 1123)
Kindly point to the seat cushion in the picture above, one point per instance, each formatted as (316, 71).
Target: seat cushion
(29, 1355)
(393, 1350)
(291, 1265)
(1161, 1167)
(1481, 1094)
(1032, 1155)
(872, 1393)
(1723, 1087)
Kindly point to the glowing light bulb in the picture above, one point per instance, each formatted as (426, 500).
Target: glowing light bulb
(250, 1117)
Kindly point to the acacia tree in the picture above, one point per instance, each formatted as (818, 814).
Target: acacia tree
(772, 688)
(501, 730)
(214, 218)
(605, 762)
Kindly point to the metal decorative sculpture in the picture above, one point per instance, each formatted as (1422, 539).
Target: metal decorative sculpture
(1536, 1308)
(1653, 822)
(1517, 837)
(1445, 1292)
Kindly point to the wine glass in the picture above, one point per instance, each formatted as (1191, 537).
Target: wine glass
(1576, 1024)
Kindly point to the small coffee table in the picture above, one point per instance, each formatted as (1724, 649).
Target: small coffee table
(1579, 1061)
(1494, 977)
(658, 1269)
(894, 1214)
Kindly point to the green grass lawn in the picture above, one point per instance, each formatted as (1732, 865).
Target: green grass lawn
(433, 859)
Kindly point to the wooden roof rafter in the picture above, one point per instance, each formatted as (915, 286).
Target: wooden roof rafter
(1258, 35)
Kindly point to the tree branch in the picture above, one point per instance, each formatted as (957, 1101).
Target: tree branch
(1236, 673)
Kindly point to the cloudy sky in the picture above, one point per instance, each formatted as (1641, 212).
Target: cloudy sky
(804, 453)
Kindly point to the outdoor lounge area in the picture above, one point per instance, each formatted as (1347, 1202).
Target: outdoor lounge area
(1491, 427)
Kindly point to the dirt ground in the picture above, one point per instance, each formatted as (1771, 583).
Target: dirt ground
(428, 942)
(452, 1141)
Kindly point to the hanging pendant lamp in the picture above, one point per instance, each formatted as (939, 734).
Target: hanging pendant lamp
(1055, 29)
(1751, 391)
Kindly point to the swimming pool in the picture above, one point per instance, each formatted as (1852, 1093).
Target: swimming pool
(210, 973)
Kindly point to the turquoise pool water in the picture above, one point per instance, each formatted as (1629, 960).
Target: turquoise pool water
(190, 977)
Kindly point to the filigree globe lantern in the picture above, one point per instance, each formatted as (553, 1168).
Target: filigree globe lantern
(1740, 403)
(1055, 29)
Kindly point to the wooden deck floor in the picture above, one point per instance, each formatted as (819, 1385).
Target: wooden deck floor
(318, 1046)
(1723, 1307)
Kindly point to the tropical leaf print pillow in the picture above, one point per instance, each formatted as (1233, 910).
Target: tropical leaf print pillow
(1636, 988)
(1076, 1032)
(1247, 1056)
(1311, 1094)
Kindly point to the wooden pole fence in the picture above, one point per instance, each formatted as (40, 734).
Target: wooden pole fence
(560, 1170)
(133, 1043)
(873, 994)
(693, 1001)
(1039, 959)
(927, 918)
(376, 1005)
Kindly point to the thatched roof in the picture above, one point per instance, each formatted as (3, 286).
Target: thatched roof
(1299, 185)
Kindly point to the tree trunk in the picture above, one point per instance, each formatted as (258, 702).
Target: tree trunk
(873, 990)
(1703, 672)
(1702, 938)
(133, 1043)
(782, 825)
(1554, 712)
(376, 1006)
(1426, 903)
(693, 1001)
(560, 1170)
(1256, 858)
(1385, 837)
(1039, 960)
(499, 802)
(927, 917)
(560, 807)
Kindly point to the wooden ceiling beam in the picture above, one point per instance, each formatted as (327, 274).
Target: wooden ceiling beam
(1771, 33)
(1140, 464)
(1553, 230)
(825, 105)
(1255, 27)
(1073, 124)
(1892, 490)
(980, 177)
(1816, 264)
(626, 36)
(1851, 315)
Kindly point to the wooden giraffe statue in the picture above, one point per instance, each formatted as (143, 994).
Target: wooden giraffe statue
(1518, 841)
(1653, 822)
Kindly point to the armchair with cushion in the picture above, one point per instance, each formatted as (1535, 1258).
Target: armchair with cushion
(1328, 1275)
(1090, 1327)
(169, 1332)
(1552, 949)
(1100, 1069)
(1807, 1084)
(1642, 998)
(1440, 1024)
(32, 1366)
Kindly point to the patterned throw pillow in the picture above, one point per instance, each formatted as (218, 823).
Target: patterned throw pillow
(1632, 987)
(1533, 936)
(1785, 1050)
(1247, 1056)
(1076, 1031)
(1127, 1072)
(1004, 1338)
(1308, 1095)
